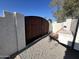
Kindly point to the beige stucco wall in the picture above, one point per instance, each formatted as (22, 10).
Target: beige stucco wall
(12, 34)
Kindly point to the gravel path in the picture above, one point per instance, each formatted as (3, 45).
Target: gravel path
(46, 49)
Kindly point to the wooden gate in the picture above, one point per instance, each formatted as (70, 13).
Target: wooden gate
(35, 27)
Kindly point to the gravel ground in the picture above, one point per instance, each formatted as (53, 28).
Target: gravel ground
(46, 49)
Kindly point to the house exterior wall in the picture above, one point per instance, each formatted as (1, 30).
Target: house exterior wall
(73, 25)
(58, 26)
(65, 35)
(65, 38)
(67, 24)
(11, 34)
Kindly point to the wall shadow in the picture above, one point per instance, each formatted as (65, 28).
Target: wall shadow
(36, 40)
(53, 37)
(71, 53)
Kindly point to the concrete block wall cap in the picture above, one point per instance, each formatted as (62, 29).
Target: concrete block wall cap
(4, 11)
(3, 14)
(7, 13)
(15, 13)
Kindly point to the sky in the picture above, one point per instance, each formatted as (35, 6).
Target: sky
(28, 7)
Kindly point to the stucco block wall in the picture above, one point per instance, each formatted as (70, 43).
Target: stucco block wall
(11, 33)
(20, 28)
(7, 35)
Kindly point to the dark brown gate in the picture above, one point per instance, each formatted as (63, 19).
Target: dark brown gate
(35, 27)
